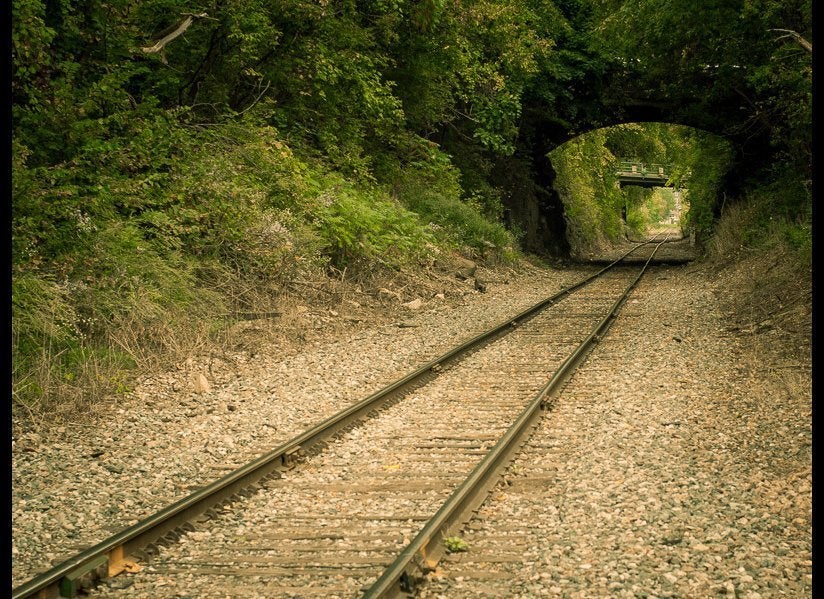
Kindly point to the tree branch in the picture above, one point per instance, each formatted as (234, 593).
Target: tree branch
(177, 32)
(260, 95)
(801, 41)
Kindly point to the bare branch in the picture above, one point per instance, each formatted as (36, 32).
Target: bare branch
(466, 116)
(178, 31)
(268, 83)
(801, 41)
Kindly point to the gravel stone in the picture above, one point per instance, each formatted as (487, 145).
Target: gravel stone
(684, 473)
(101, 475)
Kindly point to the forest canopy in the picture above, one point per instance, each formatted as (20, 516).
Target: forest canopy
(169, 157)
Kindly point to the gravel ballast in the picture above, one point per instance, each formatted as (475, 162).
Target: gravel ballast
(685, 472)
(80, 484)
(742, 441)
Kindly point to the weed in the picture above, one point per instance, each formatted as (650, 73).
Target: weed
(455, 544)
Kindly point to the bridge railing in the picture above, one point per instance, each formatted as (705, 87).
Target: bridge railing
(642, 169)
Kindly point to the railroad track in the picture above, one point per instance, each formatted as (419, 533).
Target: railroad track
(367, 514)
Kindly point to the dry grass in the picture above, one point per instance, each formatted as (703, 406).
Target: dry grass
(244, 318)
(726, 239)
(769, 291)
(768, 286)
(94, 387)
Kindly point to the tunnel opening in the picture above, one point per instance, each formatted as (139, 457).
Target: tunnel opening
(571, 199)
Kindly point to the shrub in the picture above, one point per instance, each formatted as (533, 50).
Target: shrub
(432, 189)
(361, 225)
(776, 216)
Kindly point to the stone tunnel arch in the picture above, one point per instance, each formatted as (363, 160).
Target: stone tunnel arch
(540, 215)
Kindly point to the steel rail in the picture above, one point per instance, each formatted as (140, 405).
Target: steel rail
(422, 554)
(107, 558)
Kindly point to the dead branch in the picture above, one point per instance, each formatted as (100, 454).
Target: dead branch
(260, 95)
(177, 32)
(801, 41)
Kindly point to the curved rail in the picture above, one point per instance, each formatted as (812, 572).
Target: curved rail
(108, 558)
(422, 553)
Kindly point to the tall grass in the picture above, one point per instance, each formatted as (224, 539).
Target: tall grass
(773, 218)
(434, 192)
(133, 271)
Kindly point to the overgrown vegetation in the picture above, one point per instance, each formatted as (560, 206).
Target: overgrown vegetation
(771, 214)
(155, 194)
(161, 186)
(126, 270)
(741, 70)
(599, 212)
(657, 207)
(768, 220)
(588, 187)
